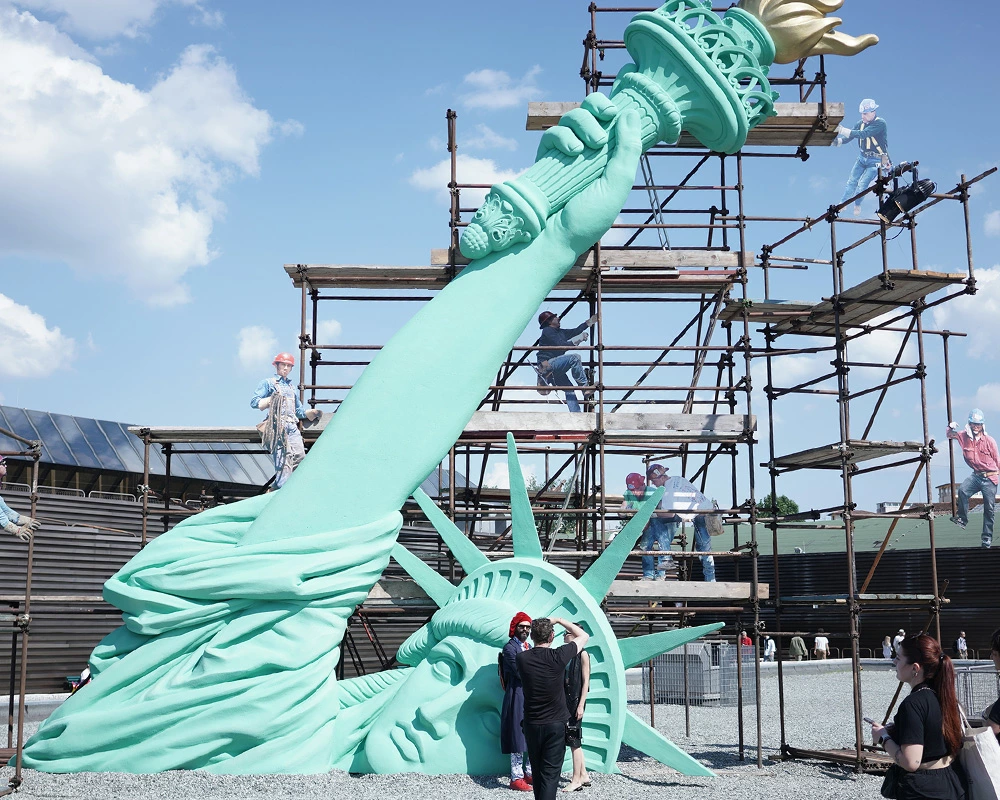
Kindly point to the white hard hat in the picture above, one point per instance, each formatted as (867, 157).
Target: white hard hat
(867, 105)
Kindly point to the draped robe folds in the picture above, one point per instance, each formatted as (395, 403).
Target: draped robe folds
(226, 659)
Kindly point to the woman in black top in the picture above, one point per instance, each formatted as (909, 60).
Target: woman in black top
(926, 733)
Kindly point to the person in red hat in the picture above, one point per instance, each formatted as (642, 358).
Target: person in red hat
(554, 363)
(512, 712)
(280, 431)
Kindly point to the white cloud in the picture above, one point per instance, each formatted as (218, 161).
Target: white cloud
(110, 18)
(493, 89)
(488, 139)
(979, 314)
(987, 397)
(113, 180)
(498, 477)
(290, 127)
(257, 346)
(28, 347)
(991, 223)
(470, 170)
(328, 331)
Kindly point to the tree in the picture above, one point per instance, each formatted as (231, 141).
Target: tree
(785, 504)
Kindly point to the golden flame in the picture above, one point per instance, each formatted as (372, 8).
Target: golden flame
(800, 28)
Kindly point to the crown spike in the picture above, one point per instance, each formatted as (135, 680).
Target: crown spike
(639, 735)
(523, 532)
(438, 588)
(637, 649)
(469, 556)
(597, 579)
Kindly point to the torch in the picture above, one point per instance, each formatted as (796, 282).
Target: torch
(691, 71)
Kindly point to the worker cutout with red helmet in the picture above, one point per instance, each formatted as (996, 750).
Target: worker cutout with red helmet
(280, 433)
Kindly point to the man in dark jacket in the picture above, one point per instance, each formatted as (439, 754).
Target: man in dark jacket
(553, 360)
(512, 712)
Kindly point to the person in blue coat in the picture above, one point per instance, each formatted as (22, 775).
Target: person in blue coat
(512, 712)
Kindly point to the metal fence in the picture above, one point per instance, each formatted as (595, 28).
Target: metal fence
(711, 679)
(977, 688)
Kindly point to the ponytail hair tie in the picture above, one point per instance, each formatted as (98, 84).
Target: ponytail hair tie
(941, 657)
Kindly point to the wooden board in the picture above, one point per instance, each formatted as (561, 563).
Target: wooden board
(653, 426)
(638, 258)
(686, 590)
(857, 450)
(766, 310)
(870, 299)
(788, 128)
(647, 278)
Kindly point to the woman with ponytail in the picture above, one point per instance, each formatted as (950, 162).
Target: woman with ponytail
(926, 734)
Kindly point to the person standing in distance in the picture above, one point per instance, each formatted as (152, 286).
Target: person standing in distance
(512, 711)
(545, 713)
(979, 450)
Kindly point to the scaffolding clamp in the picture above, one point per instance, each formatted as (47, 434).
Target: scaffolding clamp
(22, 622)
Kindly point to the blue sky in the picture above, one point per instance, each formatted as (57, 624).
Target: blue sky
(161, 160)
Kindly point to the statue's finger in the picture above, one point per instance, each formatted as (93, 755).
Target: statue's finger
(625, 159)
(600, 105)
(562, 139)
(586, 126)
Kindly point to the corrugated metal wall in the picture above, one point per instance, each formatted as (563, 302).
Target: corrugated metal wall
(79, 561)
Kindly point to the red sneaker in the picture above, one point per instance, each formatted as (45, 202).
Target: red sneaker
(521, 785)
(527, 780)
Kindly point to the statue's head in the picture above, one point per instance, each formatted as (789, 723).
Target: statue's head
(445, 717)
(443, 714)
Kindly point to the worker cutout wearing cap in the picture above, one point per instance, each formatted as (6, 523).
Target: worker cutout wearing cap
(280, 433)
(872, 137)
(554, 362)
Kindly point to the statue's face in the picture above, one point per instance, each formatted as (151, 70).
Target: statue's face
(445, 718)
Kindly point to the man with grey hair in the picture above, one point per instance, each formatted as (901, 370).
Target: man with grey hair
(542, 672)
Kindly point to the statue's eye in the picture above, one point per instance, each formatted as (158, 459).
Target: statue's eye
(447, 670)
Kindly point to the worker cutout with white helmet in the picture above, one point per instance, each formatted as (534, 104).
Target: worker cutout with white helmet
(280, 431)
(980, 452)
(872, 137)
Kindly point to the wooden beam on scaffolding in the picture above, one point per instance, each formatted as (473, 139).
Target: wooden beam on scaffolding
(525, 425)
(856, 449)
(790, 127)
(868, 300)
(626, 275)
(676, 591)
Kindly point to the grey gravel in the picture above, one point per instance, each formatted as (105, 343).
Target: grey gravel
(819, 716)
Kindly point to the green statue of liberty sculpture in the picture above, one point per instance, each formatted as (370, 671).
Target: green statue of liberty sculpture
(234, 619)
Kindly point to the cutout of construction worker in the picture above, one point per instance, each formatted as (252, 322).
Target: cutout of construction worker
(279, 433)
(19, 525)
(872, 136)
(980, 452)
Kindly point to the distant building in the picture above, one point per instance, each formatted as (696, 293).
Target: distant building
(948, 490)
(888, 508)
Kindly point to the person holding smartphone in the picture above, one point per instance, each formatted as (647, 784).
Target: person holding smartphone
(926, 734)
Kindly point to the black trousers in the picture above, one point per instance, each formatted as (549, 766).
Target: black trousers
(546, 750)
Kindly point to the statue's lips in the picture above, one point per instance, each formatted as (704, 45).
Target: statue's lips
(407, 743)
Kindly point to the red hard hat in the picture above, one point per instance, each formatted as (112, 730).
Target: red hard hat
(634, 480)
(284, 358)
(544, 317)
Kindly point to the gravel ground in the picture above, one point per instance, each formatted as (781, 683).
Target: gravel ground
(820, 716)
